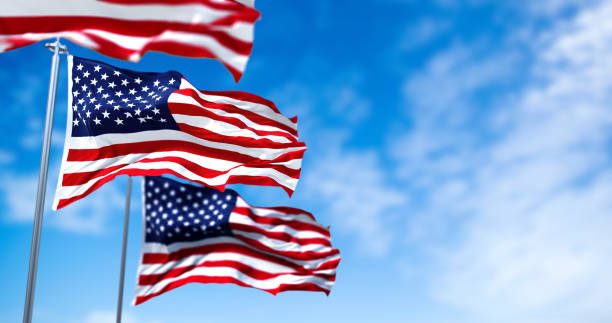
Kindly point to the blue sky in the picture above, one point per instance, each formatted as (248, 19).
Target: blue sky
(460, 151)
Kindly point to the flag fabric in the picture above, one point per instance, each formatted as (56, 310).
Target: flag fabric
(131, 123)
(198, 234)
(126, 29)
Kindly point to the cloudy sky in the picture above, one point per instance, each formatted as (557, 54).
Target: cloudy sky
(461, 152)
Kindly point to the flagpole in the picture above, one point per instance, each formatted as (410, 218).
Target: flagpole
(57, 49)
(126, 221)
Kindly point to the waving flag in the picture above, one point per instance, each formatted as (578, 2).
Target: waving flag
(126, 122)
(126, 29)
(198, 234)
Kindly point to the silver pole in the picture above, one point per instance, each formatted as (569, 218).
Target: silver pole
(126, 221)
(42, 181)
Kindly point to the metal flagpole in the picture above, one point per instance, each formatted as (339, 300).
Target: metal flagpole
(126, 221)
(57, 49)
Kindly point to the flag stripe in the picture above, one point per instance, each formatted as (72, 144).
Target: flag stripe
(126, 29)
(245, 176)
(286, 220)
(232, 109)
(229, 280)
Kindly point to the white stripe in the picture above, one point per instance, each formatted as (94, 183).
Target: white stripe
(187, 13)
(266, 212)
(276, 228)
(282, 245)
(110, 139)
(240, 30)
(210, 163)
(65, 192)
(261, 109)
(181, 98)
(260, 264)
(271, 283)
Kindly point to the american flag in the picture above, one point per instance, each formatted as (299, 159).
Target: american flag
(126, 29)
(126, 122)
(199, 234)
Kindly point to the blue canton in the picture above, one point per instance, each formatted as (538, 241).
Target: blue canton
(106, 99)
(177, 212)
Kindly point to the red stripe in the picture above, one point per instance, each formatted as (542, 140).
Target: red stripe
(268, 220)
(80, 178)
(245, 269)
(242, 179)
(205, 134)
(282, 236)
(147, 147)
(193, 110)
(256, 118)
(229, 280)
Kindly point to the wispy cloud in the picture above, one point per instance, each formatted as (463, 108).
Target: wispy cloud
(517, 222)
(92, 215)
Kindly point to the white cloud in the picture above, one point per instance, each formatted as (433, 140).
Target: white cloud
(90, 215)
(517, 208)
(354, 187)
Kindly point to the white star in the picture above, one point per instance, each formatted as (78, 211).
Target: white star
(118, 93)
(98, 106)
(128, 115)
(142, 120)
(138, 98)
(97, 121)
(117, 73)
(94, 81)
(132, 91)
(146, 88)
(162, 120)
(84, 87)
(124, 82)
(100, 89)
(75, 93)
(116, 107)
(125, 100)
(81, 101)
(105, 114)
(138, 80)
(75, 122)
(137, 112)
(148, 106)
(111, 85)
(171, 81)
(131, 105)
(104, 76)
(110, 102)
(156, 83)
(77, 80)
(118, 121)
(105, 95)
(156, 111)
(97, 68)
(92, 100)
(80, 67)
(75, 108)
(88, 114)
(86, 74)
